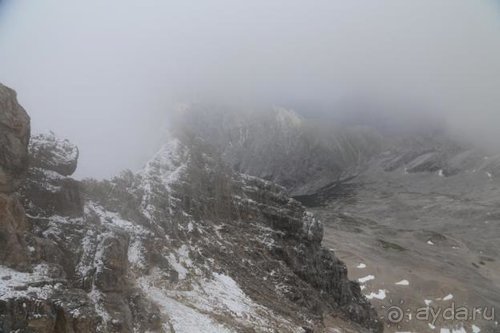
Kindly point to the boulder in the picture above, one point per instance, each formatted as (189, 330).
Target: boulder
(51, 153)
(47, 189)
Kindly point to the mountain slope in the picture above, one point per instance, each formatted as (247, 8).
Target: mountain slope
(184, 245)
(415, 217)
(303, 155)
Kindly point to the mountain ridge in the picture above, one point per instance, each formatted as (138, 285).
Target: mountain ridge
(184, 245)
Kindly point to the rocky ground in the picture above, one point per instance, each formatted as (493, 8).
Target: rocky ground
(424, 239)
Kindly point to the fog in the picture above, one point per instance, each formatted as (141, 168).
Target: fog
(105, 74)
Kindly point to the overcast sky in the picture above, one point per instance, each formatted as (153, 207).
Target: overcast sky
(104, 74)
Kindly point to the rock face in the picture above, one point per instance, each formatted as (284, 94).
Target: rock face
(13, 249)
(14, 137)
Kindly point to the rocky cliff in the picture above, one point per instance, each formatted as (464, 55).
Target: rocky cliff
(185, 245)
(14, 137)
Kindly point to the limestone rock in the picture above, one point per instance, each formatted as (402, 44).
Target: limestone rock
(46, 193)
(14, 137)
(47, 190)
(51, 153)
(13, 249)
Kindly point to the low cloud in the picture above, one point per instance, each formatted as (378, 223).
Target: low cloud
(106, 74)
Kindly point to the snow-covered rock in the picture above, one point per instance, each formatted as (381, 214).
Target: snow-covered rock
(47, 189)
(51, 153)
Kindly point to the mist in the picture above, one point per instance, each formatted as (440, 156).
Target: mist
(106, 74)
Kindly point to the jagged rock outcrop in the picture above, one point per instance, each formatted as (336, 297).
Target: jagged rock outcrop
(261, 243)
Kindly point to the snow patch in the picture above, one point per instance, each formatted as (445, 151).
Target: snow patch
(219, 295)
(136, 254)
(113, 219)
(15, 284)
(180, 261)
(381, 294)
(86, 258)
(97, 299)
(403, 283)
(165, 168)
(366, 278)
(183, 318)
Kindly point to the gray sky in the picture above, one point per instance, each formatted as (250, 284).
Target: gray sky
(105, 73)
